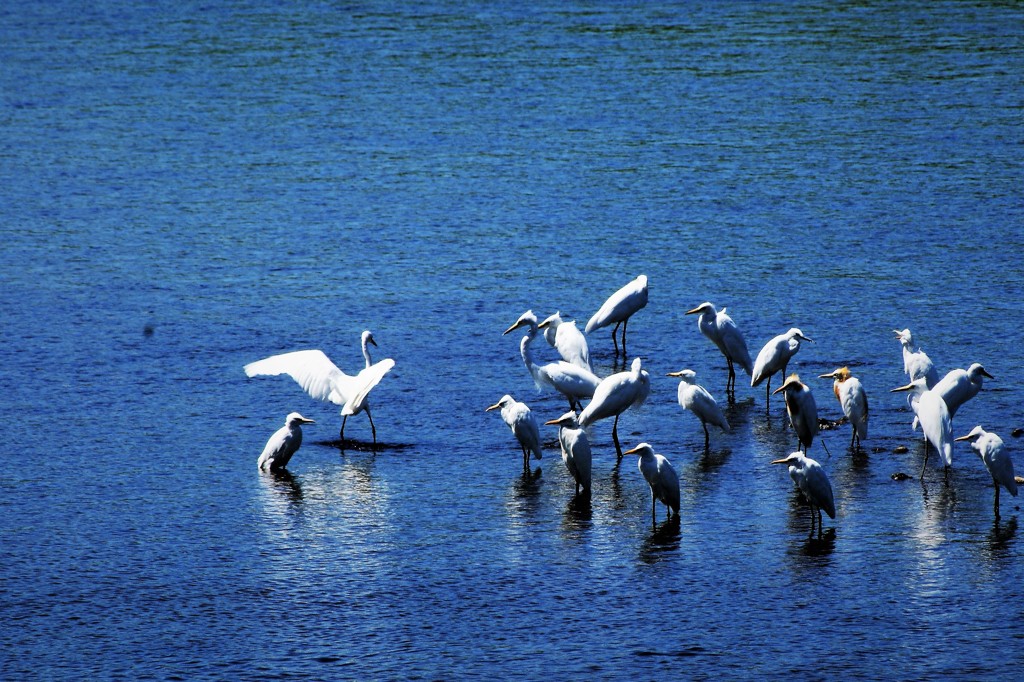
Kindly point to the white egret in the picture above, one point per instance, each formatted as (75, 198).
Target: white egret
(575, 449)
(997, 460)
(619, 307)
(813, 483)
(916, 364)
(723, 332)
(660, 475)
(696, 399)
(774, 357)
(801, 408)
(614, 395)
(572, 381)
(960, 385)
(283, 444)
(853, 399)
(935, 421)
(523, 424)
(567, 339)
(322, 380)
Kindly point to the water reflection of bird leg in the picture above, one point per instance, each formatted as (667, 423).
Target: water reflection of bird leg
(615, 437)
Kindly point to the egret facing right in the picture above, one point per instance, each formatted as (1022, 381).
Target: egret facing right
(813, 483)
(723, 332)
(802, 410)
(660, 475)
(696, 399)
(283, 444)
(575, 449)
(619, 307)
(524, 427)
(960, 385)
(997, 460)
(774, 357)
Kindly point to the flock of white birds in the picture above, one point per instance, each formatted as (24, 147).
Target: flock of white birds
(934, 401)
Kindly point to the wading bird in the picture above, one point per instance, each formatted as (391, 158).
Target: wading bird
(960, 385)
(614, 395)
(696, 399)
(572, 381)
(567, 339)
(997, 460)
(283, 444)
(813, 483)
(801, 408)
(935, 421)
(575, 449)
(774, 357)
(523, 424)
(853, 399)
(662, 478)
(916, 364)
(322, 380)
(723, 332)
(619, 307)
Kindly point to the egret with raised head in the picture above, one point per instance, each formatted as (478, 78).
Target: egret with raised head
(660, 476)
(997, 460)
(935, 421)
(775, 357)
(853, 400)
(283, 444)
(723, 332)
(572, 381)
(695, 398)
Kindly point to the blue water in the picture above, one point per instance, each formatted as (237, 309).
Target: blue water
(187, 187)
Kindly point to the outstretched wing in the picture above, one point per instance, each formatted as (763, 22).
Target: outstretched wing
(311, 369)
(361, 385)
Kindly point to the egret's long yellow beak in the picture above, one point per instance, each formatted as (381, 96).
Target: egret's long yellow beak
(693, 312)
(967, 437)
(779, 389)
(902, 388)
(514, 327)
(493, 407)
(553, 422)
(781, 461)
(675, 374)
(831, 375)
(631, 451)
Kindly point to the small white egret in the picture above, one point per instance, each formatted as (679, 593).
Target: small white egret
(960, 385)
(723, 332)
(853, 399)
(523, 424)
(283, 444)
(813, 483)
(997, 460)
(774, 357)
(935, 421)
(916, 364)
(801, 408)
(567, 339)
(695, 398)
(614, 395)
(660, 475)
(619, 307)
(572, 381)
(576, 453)
(322, 380)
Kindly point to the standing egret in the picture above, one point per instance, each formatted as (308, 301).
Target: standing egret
(618, 309)
(614, 395)
(575, 449)
(774, 357)
(723, 332)
(853, 399)
(997, 460)
(284, 443)
(567, 339)
(696, 399)
(523, 424)
(916, 364)
(801, 408)
(662, 478)
(813, 483)
(574, 382)
(935, 421)
(322, 380)
(960, 385)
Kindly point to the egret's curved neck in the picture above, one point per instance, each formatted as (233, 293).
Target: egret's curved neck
(366, 353)
(524, 348)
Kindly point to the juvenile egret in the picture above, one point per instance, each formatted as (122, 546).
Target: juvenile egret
(774, 357)
(567, 339)
(618, 309)
(916, 364)
(614, 395)
(574, 382)
(322, 380)
(723, 332)
(935, 421)
(813, 483)
(283, 444)
(853, 399)
(523, 424)
(696, 399)
(960, 385)
(660, 475)
(575, 449)
(997, 460)
(801, 408)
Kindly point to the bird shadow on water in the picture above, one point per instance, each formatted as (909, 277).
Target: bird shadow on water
(350, 444)
(662, 540)
(1000, 537)
(578, 516)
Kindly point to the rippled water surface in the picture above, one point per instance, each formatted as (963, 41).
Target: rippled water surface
(188, 187)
